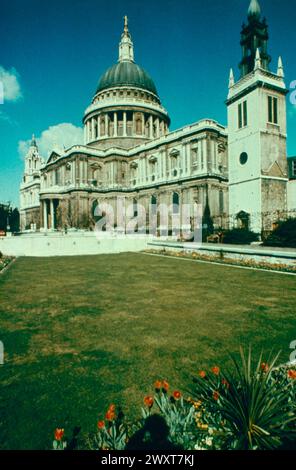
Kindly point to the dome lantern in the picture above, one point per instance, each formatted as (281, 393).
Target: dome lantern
(126, 47)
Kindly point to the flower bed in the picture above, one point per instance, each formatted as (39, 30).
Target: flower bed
(221, 258)
(4, 261)
(250, 408)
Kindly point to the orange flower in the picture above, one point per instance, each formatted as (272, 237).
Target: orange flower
(101, 424)
(202, 374)
(58, 434)
(216, 370)
(148, 401)
(165, 385)
(157, 384)
(264, 367)
(110, 415)
(177, 395)
(224, 382)
(216, 395)
(111, 408)
(292, 374)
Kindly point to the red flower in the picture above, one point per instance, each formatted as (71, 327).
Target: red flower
(101, 424)
(292, 374)
(157, 384)
(216, 395)
(202, 374)
(177, 395)
(264, 367)
(216, 370)
(110, 415)
(224, 382)
(58, 434)
(165, 385)
(148, 401)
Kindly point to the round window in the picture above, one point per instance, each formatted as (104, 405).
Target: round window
(243, 158)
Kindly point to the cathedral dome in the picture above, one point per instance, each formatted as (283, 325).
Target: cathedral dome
(126, 73)
(126, 109)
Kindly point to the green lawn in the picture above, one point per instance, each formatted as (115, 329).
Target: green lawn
(82, 332)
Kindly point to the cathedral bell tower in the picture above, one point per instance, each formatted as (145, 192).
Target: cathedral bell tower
(257, 128)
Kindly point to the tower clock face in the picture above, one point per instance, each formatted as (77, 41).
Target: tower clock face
(243, 158)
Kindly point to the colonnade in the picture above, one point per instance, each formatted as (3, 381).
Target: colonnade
(124, 124)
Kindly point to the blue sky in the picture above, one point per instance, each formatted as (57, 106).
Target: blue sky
(58, 49)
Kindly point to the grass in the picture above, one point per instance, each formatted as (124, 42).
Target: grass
(82, 332)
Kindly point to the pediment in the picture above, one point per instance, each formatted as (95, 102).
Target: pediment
(275, 170)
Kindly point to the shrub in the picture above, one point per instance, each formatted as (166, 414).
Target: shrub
(284, 234)
(240, 236)
(251, 408)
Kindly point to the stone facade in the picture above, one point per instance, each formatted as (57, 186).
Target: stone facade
(129, 152)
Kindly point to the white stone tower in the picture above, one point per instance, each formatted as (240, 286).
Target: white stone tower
(257, 131)
(30, 188)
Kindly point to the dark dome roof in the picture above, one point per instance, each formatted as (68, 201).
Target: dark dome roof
(126, 74)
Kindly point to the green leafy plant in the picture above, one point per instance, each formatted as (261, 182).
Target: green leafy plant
(111, 433)
(178, 413)
(283, 235)
(252, 407)
(240, 236)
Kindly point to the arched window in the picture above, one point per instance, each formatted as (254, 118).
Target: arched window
(153, 200)
(176, 200)
(139, 126)
(135, 207)
(103, 129)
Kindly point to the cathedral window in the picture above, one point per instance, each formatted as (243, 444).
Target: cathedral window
(243, 158)
(272, 110)
(294, 168)
(221, 202)
(176, 201)
(242, 115)
(139, 126)
(135, 208)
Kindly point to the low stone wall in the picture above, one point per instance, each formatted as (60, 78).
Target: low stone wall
(253, 256)
(71, 244)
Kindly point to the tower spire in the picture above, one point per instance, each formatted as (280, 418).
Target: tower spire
(33, 141)
(257, 59)
(254, 10)
(280, 69)
(126, 47)
(231, 79)
(254, 36)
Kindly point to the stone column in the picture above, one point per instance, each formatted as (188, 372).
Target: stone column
(106, 125)
(157, 128)
(143, 124)
(150, 127)
(215, 151)
(124, 124)
(51, 214)
(93, 129)
(115, 124)
(183, 158)
(88, 131)
(44, 214)
(99, 126)
(164, 164)
(199, 156)
(205, 155)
